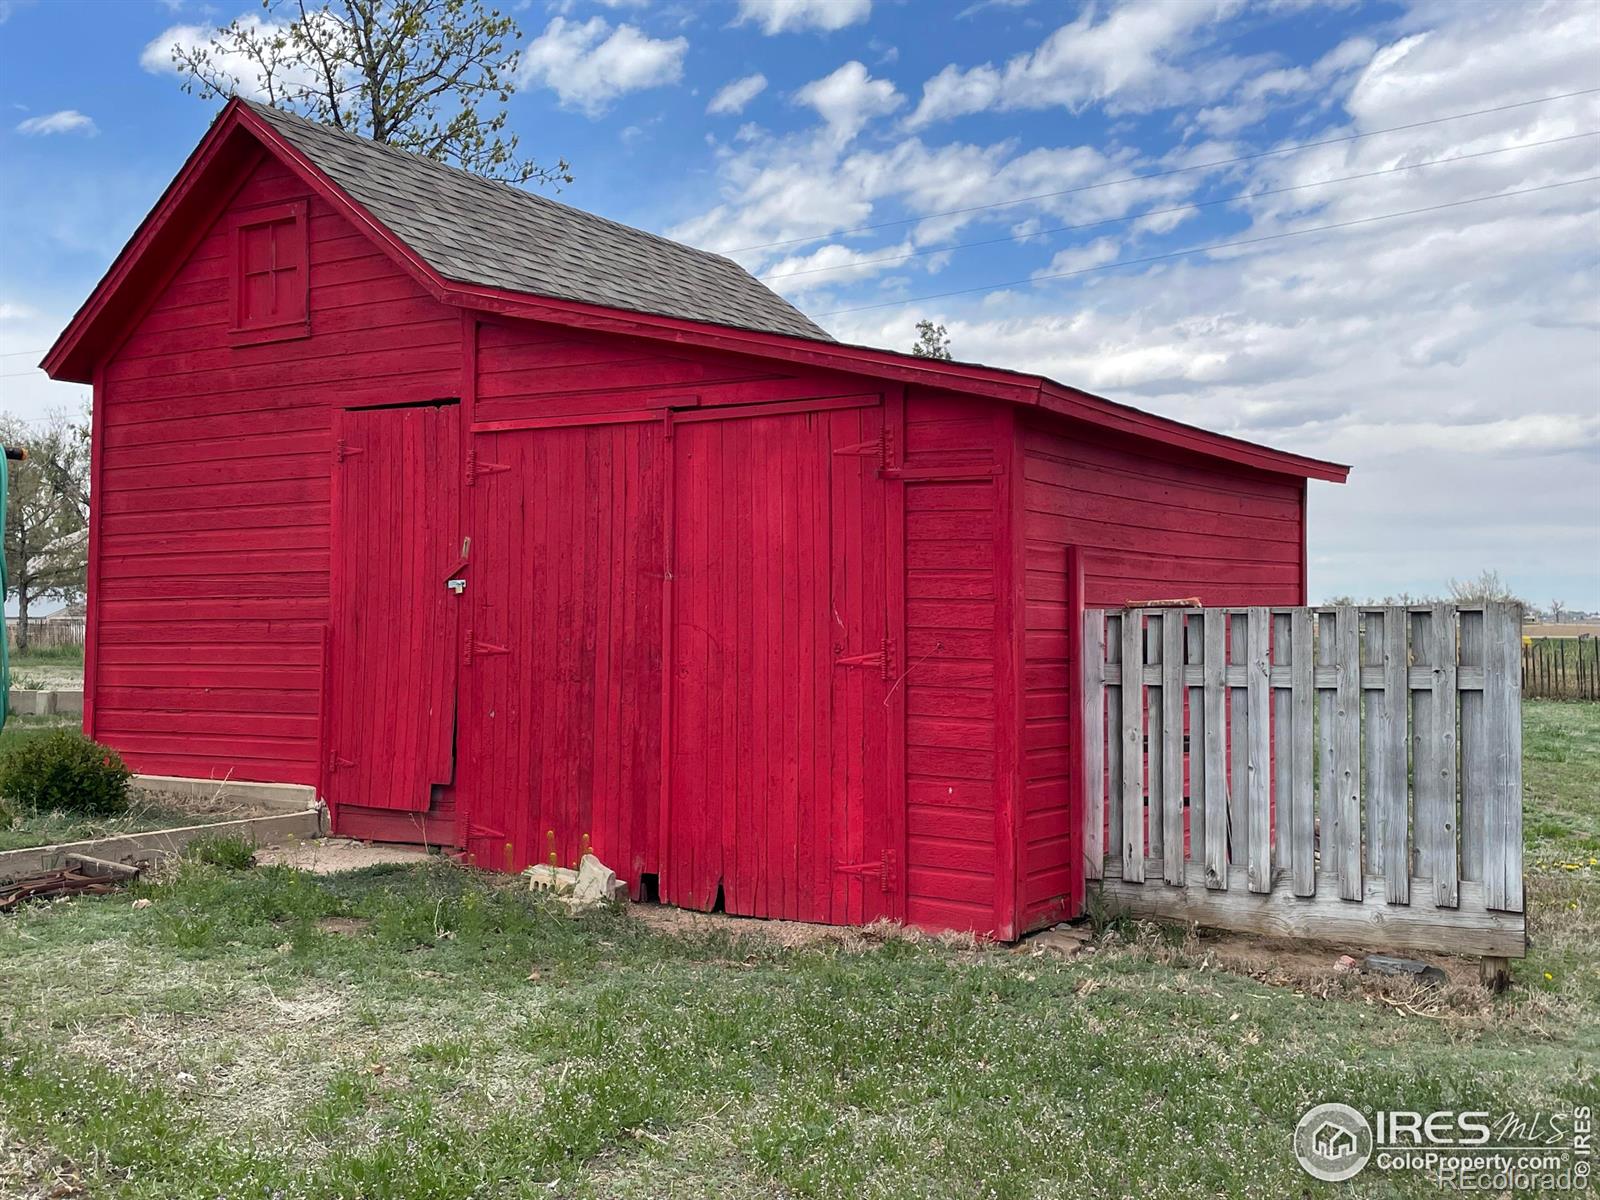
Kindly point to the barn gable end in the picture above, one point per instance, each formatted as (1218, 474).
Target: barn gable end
(210, 581)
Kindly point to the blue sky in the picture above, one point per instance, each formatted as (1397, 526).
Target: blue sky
(1452, 356)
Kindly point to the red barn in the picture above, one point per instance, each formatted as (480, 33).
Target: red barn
(520, 531)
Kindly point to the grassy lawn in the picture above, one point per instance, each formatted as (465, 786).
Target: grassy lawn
(424, 1032)
(48, 656)
(19, 729)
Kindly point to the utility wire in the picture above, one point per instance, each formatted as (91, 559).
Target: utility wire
(1156, 212)
(1270, 237)
(1205, 166)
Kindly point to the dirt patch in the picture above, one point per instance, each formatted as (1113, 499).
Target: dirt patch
(327, 856)
(790, 935)
(1314, 969)
(344, 926)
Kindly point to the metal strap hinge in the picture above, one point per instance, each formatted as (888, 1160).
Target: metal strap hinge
(472, 647)
(335, 762)
(476, 467)
(343, 450)
(884, 867)
(880, 448)
(883, 659)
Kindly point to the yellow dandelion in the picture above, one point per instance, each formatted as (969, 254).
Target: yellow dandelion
(1549, 977)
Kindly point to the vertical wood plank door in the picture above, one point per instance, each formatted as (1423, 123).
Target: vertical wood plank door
(561, 684)
(392, 662)
(781, 670)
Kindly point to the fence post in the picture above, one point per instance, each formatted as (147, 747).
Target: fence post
(1502, 696)
(1194, 657)
(1347, 754)
(1172, 692)
(1093, 733)
(1132, 738)
(1303, 828)
(1218, 805)
(1113, 845)
(1155, 742)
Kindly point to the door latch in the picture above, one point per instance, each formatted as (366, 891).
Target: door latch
(456, 585)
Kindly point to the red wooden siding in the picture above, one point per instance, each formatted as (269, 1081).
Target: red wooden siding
(954, 872)
(1151, 526)
(528, 371)
(212, 561)
(779, 722)
(393, 645)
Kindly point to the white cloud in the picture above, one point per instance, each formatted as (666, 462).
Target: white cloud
(849, 98)
(1079, 258)
(791, 16)
(735, 95)
(228, 64)
(589, 65)
(68, 120)
(1129, 59)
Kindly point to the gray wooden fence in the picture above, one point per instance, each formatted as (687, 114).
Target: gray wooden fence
(1348, 774)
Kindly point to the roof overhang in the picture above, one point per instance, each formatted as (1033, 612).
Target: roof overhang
(1017, 387)
(237, 140)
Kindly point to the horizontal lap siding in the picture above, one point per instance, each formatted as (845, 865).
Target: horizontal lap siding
(952, 856)
(529, 371)
(212, 565)
(1151, 528)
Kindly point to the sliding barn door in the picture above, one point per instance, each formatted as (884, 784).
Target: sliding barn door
(392, 669)
(780, 669)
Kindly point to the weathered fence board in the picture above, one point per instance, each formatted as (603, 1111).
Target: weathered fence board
(1345, 773)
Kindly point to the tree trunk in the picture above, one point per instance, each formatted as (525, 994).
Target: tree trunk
(22, 619)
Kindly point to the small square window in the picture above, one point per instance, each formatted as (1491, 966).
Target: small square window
(270, 276)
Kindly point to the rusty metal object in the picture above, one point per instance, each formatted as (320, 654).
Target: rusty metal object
(86, 878)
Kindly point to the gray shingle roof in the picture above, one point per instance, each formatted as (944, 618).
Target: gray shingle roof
(475, 230)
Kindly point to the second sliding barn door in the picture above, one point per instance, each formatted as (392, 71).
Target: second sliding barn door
(779, 669)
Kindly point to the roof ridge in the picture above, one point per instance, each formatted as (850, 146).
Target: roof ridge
(412, 157)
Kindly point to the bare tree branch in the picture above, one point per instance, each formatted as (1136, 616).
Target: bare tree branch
(411, 73)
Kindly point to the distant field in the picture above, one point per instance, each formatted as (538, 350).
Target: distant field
(1570, 629)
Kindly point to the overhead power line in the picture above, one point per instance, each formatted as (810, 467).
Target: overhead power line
(1156, 212)
(1205, 166)
(1270, 237)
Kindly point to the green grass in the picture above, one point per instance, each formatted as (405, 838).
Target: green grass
(19, 729)
(47, 656)
(426, 1032)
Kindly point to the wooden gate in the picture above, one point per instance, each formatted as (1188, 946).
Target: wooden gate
(1338, 773)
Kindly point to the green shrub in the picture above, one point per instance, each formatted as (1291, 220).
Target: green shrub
(231, 853)
(63, 771)
(8, 815)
